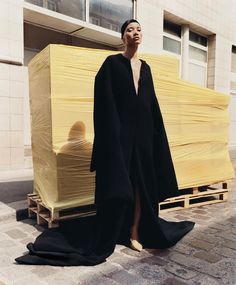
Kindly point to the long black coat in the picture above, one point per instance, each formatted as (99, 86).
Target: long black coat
(125, 122)
(130, 153)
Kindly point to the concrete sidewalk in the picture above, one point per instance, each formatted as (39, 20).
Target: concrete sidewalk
(206, 256)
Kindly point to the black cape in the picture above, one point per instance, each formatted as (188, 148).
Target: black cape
(130, 153)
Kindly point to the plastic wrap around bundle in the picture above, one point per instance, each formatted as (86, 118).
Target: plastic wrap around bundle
(61, 99)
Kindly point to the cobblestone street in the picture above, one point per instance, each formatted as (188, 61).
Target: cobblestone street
(206, 256)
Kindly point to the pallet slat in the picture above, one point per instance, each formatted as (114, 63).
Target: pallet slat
(196, 198)
(44, 215)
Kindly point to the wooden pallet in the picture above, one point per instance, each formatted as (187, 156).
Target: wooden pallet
(195, 197)
(192, 197)
(44, 215)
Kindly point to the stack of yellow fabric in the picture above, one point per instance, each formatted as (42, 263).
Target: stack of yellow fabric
(61, 99)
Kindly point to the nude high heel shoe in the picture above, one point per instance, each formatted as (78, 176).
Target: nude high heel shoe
(135, 245)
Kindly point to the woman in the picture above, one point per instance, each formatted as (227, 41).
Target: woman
(131, 154)
(134, 169)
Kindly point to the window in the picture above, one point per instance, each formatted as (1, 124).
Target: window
(52, 5)
(197, 54)
(198, 39)
(111, 14)
(233, 59)
(75, 8)
(233, 72)
(197, 74)
(172, 38)
(233, 87)
(172, 29)
(232, 105)
(171, 45)
(35, 2)
(197, 58)
(193, 61)
(115, 28)
(95, 21)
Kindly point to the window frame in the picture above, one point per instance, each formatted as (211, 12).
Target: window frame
(179, 39)
(190, 44)
(198, 62)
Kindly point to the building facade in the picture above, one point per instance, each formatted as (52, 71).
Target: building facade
(200, 33)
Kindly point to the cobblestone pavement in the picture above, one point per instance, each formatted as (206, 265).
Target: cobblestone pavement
(206, 256)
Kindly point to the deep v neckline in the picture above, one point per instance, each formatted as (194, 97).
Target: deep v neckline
(139, 77)
(136, 92)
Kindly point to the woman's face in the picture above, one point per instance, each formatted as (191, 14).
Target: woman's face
(132, 35)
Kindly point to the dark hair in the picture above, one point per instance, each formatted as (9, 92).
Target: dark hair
(125, 24)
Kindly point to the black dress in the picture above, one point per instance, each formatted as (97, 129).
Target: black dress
(130, 153)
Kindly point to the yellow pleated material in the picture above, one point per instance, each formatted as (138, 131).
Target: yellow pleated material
(61, 80)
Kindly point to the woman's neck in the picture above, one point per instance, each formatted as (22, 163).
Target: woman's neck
(131, 53)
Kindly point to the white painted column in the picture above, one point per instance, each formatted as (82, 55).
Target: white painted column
(185, 52)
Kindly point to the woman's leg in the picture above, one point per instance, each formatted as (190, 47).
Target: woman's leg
(137, 214)
(134, 235)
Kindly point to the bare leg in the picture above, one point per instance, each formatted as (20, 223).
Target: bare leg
(137, 214)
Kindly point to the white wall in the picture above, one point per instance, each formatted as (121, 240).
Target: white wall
(151, 19)
(11, 31)
(11, 85)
